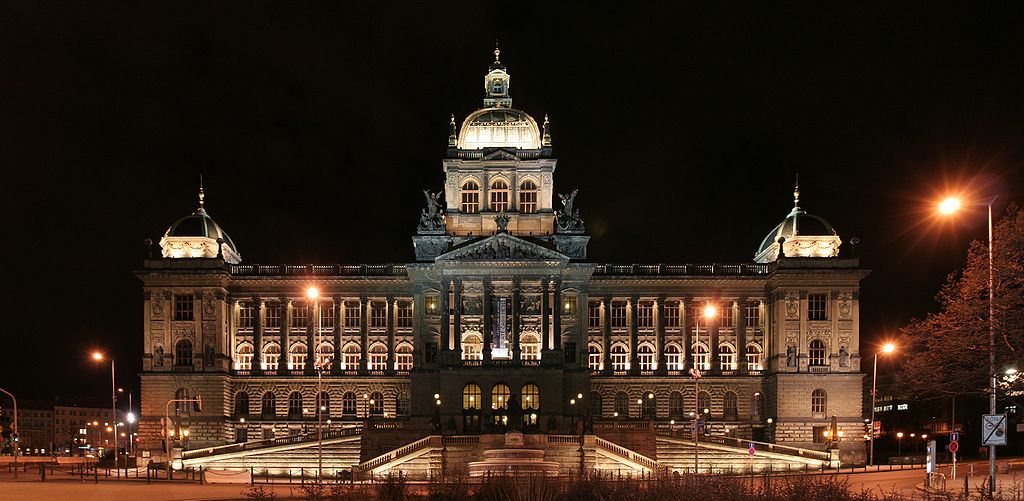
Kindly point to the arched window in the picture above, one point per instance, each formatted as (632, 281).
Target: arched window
(620, 358)
(595, 359)
(754, 357)
(297, 357)
(348, 403)
(704, 402)
(650, 407)
(730, 407)
(350, 357)
(294, 404)
(243, 357)
(673, 358)
(675, 405)
(531, 397)
(701, 359)
(726, 357)
(645, 357)
(499, 396)
(470, 197)
(241, 404)
(403, 357)
(819, 401)
(182, 407)
(403, 404)
(596, 408)
(324, 355)
(621, 404)
(471, 397)
(376, 404)
(530, 346)
(269, 407)
(271, 357)
(816, 352)
(528, 197)
(378, 357)
(323, 403)
(472, 346)
(757, 404)
(499, 196)
(183, 353)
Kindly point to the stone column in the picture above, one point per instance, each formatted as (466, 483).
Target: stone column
(364, 329)
(286, 329)
(556, 320)
(582, 326)
(444, 329)
(741, 335)
(634, 302)
(713, 343)
(391, 311)
(687, 330)
(545, 314)
(457, 335)
(339, 327)
(312, 314)
(606, 329)
(257, 334)
(659, 305)
(487, 321)
(516, 304)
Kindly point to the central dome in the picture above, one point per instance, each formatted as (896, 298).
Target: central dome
(499, 128)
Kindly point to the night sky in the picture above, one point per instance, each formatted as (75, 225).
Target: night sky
(315, 128)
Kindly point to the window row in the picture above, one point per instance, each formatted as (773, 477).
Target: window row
(529, 397)
(646, 405)
(674, 360)
(645, 317)
(371, 404)
(353, 318)
(473, 344)
(500, 197)
(351, 354)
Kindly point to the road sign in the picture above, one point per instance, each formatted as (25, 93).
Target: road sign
(876, 429)
(751, 449)
(954, 437)
(954, 446)
(993, 429)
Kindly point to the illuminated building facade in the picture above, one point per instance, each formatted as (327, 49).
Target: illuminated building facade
(502, 304)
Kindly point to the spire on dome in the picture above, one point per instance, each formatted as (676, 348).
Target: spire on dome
(452, 136)
(545, 139)
(496, 83)
(796, 193)
(202, 196)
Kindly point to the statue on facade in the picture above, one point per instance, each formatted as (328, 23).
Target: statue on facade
(208, 355)
(569, 220)
(432, 216)
(158, 356)
(844, 356)
(515, 414)
(791, 356)
(501, 221)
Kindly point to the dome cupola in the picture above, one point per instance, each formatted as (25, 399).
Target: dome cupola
(801, 235)
(497, 124)
(198, 236)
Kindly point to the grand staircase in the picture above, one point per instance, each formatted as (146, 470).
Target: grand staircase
(293, 455)
(730, 455)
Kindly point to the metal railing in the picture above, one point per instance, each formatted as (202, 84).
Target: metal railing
(683, 269)
(319, 269)
(270, 442)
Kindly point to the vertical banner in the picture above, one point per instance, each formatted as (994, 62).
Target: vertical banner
(500, 335)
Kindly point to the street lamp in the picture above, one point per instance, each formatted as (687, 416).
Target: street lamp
(709, 312)
(886, 348)
(97, 356)
(314, 294)
(899, 442)
(947, 207)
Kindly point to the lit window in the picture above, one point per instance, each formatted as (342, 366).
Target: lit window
(352, 317)
(530, 346)
(753, 314)
(471, 397)
(499, 196)
(403, 357)
(528, 197)
(499, 396)
(618, 315)
(817, 306)
(297, 357)
(470, 197)
(620, 358)
(245, 311)
(183, 306)
(701, 358)
(594, 357)
(350, 357)
(325, 355)
(754, 354)
(645, 315)
(243, 357)
(819, 401)
(671, 314)
(530, 397)
(645, 357)
(726, 357)
(673, 358)
(472, 347)
(816, 353)
(404, 314)
(378, 357)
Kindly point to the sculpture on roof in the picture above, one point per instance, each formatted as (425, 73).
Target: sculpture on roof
(432, 216)
(569, 220)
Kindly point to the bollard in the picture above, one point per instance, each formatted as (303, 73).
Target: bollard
(147, 475)
(252, 476)
(201, 479)
(96, 474)
(42, 472)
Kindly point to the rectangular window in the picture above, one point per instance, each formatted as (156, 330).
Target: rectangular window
(378, 315)
(245, 315)
(404, 314)
(817, 307)
(753, 314)
(274, 315)
(645, 315)
(594, 314)
(528, 202)
(326, 316)
(431, 306)
(470, 201)
(594, 359)
(183, 307)
(819, 434)
(300, 316)
(570, 352)
(569, 306)
(726, 318)
(618, 315)
(430, 355)
(672, 314)
(352, 315)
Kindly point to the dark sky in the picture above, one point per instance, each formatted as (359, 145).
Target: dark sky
(315, 129)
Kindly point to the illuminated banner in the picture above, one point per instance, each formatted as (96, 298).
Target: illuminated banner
(500, 336)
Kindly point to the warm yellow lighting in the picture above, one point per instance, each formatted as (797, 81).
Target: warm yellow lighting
(572, 401)
(241, 420)
(579, 396)
(925, 436)
(97, 356)
(710, 311)
(312, 293)
(639, 401)
(899, 435)
(949, 205)
(650, 395)
(436, 396)
(438, 401)
(672, 422)
(615, 414)
(888, 348)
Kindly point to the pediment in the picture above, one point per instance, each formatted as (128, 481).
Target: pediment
(500, 154)
(502, 247)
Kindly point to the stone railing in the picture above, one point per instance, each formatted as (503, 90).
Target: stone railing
(640, 459)
(388, 457)
(461, 439)
(683, 269)
(563, 439)
(319, 270)
(684, 432)
(271, 442)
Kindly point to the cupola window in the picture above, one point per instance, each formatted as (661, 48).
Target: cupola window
(499, 196)
(470, 197)
(528, 197)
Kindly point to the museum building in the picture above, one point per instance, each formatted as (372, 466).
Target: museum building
(502, 322)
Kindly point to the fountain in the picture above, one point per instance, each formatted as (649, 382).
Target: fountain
(513, 460)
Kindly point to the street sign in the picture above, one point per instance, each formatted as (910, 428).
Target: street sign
(954, 446)
(751, 449)
(993, 429)
(954, 437)
(876, 429)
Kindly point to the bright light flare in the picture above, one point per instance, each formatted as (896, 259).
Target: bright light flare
(312, 293)
(888, 348)
(97, 356)
(710, 311)
(949, 205)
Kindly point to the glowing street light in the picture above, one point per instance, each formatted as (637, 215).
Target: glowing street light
(886, 348)
(949, 205)
(98, 357)
(709, 313)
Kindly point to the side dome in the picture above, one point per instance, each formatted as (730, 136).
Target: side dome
(198, 236)
(805, 235)
(499, 128)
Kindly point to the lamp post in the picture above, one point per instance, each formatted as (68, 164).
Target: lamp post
(887, 348)
(899, 442)
(709, 312)
(949, 206)
(97, 356)
(14, 448)
(314, 294)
